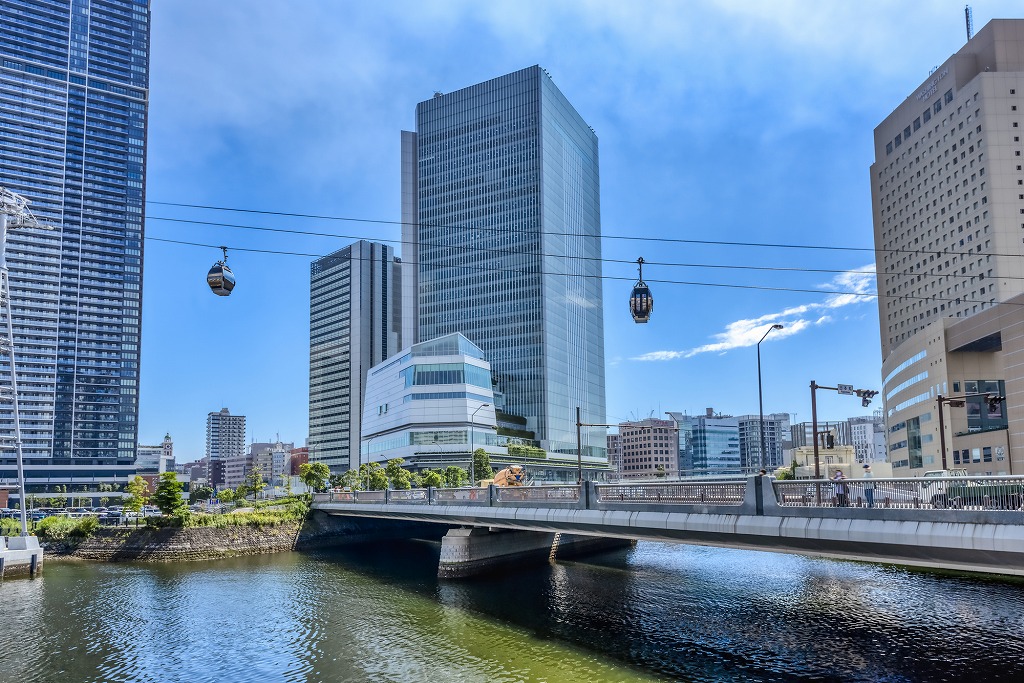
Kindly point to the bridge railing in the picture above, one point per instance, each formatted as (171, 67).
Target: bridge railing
(934, 493)
(514, 494)
(462, 496)
(682, 493)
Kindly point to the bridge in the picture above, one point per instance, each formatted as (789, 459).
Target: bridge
(971, 524)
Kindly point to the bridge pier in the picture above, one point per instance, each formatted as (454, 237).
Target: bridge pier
(468, 552)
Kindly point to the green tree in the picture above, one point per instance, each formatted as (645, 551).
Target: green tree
(348, 479)
(61, 499)
(432, 478)
(226, 495)
(455, 476)
(138, 494)
(241, 492)
(199, 493)
(398, 477)
(167, 496)
(103, 501)
(482, 465)
(254, 481)
(378, 478)
(313, 475)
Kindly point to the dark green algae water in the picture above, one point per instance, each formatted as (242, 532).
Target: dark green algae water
(656, 612)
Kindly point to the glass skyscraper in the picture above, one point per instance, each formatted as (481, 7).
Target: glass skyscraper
(502, 242)
(74, 79)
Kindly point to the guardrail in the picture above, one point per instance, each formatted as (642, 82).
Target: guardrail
(683, 493)
(753, 495)
(927, 493)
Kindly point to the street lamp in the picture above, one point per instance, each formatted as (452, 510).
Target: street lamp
(472, 443)
(760, 398)
(958, 402)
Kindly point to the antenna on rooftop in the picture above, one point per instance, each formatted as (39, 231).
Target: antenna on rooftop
(969, 18)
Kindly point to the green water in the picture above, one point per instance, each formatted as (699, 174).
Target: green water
(655, 612)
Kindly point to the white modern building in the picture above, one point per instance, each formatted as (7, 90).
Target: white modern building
(948, 204)
(431, 405)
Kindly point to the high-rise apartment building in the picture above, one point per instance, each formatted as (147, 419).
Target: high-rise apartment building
(74, 79)
(225, 439)
(948, 198)
(501, 238)
(355, 319)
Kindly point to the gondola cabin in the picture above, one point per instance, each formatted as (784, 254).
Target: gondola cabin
(220, 278)
(641, 303)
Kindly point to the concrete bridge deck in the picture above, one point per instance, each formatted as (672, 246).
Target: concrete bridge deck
(905, 527)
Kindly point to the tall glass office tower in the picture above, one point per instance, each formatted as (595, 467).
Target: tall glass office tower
(74, 78)
(502, 224)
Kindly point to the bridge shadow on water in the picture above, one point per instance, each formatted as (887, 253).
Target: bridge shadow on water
(693, 613)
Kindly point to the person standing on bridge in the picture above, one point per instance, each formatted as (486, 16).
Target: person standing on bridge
(869, 486)
(841, 489)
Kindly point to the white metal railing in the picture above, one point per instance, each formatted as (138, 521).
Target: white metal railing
(564, 494)
(682, 493)
(936, 493)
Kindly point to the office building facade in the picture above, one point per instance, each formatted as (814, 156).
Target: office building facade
(355, 319)
(709, 444)
(776, 441)
(948, 198)
(501, 217)
(74, 79)
(648, 449)
(225, 441)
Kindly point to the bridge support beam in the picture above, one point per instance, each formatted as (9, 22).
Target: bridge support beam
(476, 551)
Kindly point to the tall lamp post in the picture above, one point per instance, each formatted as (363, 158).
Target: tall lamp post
(958, 402)
(760, 398)
(14, 213)
(472, 444)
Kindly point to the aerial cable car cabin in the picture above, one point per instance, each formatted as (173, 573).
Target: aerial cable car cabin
(641, 303)
(220, 278)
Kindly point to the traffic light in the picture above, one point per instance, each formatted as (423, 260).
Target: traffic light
(865, 396)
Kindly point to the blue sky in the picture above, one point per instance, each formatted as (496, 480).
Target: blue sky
(718, 121)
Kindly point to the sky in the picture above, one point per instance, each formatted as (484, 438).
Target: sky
(721, 124)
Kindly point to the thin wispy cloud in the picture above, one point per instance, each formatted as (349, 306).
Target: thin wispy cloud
(856, 286)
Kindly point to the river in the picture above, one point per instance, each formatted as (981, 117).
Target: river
(656, 612)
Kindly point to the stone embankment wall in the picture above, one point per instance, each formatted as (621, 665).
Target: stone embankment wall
(318, 530)
(178, 545)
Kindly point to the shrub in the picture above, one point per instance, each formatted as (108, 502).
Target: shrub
(55, 528)
(10, 527)
(85, 527)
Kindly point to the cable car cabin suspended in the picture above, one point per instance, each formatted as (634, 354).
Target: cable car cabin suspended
(641, 303)
(220, 278)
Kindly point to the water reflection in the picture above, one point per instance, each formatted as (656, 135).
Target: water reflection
(655, 612)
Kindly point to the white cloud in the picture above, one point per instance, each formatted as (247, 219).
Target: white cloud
(749, 331)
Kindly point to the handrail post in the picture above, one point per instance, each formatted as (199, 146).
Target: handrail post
(492, 494)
